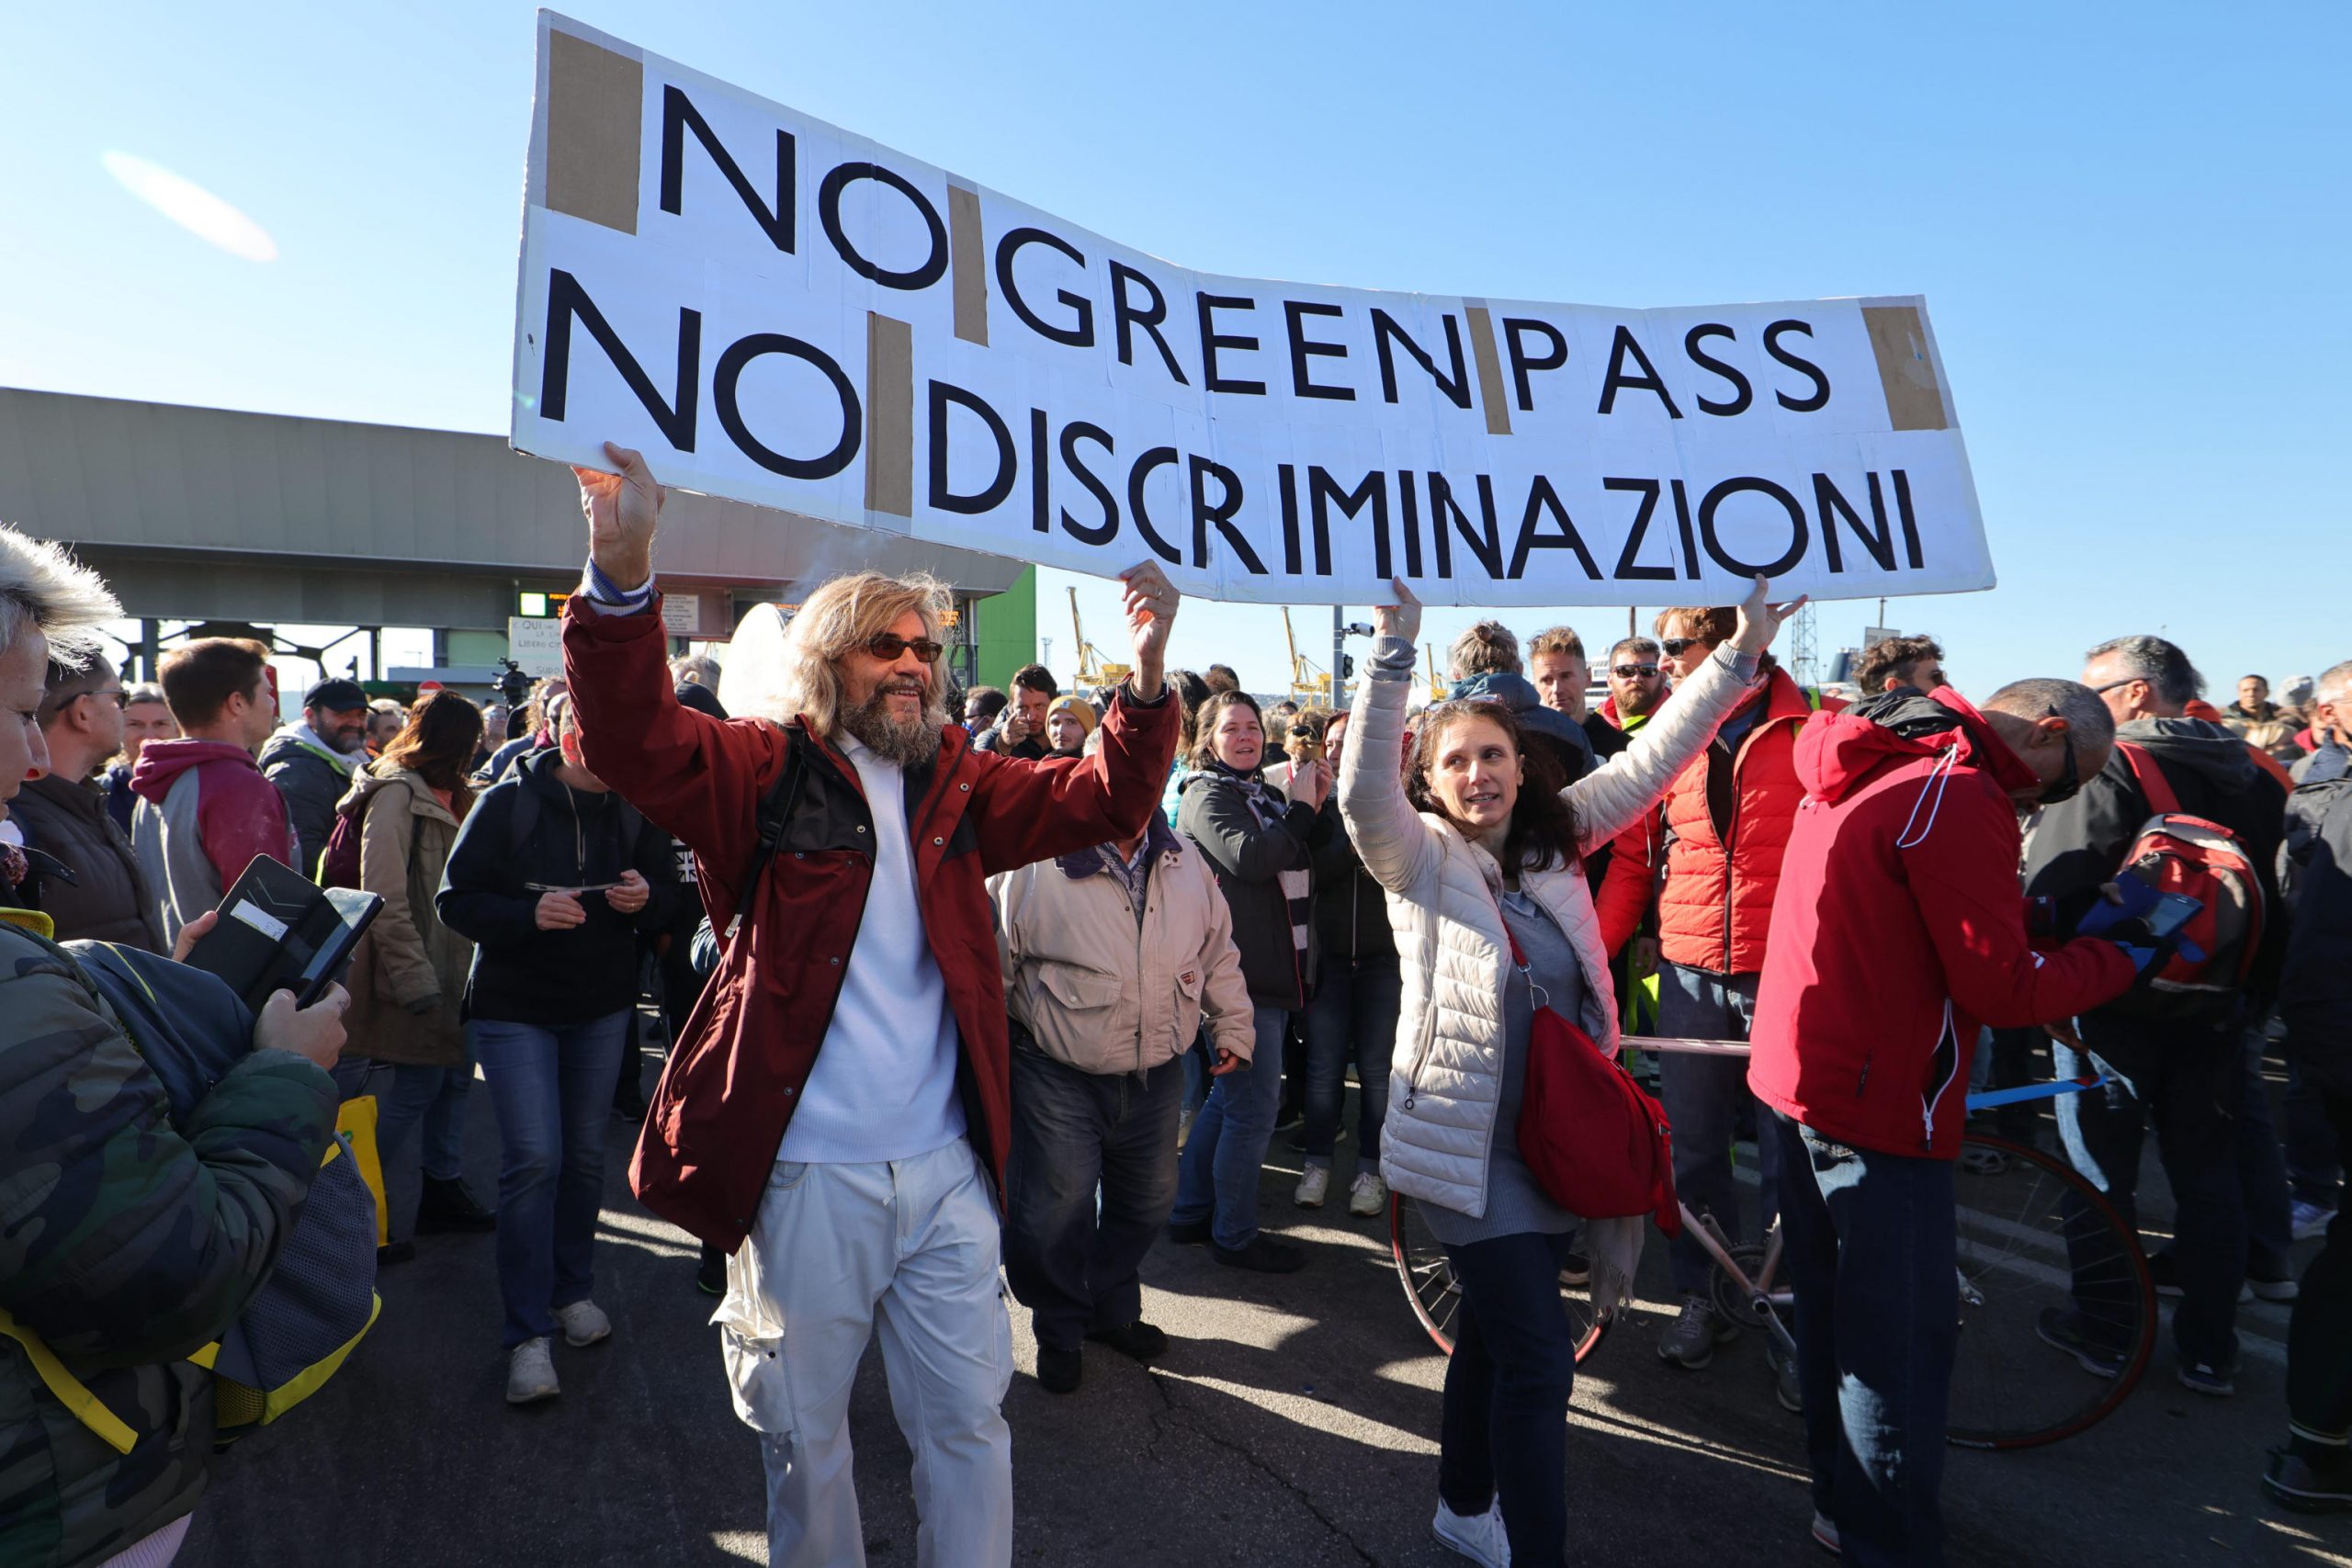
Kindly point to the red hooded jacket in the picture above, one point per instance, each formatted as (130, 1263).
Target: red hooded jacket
(1900, 927)
(746, 1053)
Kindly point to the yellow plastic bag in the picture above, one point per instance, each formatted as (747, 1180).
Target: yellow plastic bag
(355, 1118)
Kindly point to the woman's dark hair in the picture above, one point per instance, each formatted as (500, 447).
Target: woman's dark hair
(1191, 692)
(437, 744)
(1543, 833)
(1203, 752)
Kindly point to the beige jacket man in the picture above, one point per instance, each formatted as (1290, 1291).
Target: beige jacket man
(1102, 993)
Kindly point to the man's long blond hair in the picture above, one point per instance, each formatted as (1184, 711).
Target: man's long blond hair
(805, 676)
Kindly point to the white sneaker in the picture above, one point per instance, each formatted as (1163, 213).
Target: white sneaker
(585, 1323)
(1312, 1187)
(1479, 1537)
(1367, 1195)
(530, 1372)
(1825, 1534)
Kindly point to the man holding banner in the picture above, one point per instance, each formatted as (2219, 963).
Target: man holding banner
(839, 1114)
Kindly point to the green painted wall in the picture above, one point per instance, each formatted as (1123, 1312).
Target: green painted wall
(1006, 637)
(477, 648)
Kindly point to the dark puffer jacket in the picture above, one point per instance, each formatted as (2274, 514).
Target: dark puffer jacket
(1350, 909)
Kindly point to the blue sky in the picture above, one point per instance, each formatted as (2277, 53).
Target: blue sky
(2131, 225)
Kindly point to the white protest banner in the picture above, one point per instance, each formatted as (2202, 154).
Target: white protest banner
(777, 311)
(536, 644)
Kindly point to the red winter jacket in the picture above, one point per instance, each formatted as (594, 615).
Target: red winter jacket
(1717, 902)
(727, 1096)
(1900, 927)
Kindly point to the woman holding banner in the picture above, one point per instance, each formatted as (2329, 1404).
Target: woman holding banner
(1478, 847)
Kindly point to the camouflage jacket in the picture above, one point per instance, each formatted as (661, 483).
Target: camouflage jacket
(125, 1243)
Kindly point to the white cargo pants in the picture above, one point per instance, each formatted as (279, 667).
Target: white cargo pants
(909, 1249)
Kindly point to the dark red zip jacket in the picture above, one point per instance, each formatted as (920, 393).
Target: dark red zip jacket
(1900, 927)
(729, 1091)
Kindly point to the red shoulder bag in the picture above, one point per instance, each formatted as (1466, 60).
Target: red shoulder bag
(1599, 1145)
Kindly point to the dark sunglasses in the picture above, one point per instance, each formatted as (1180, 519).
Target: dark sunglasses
(1674, 647)
(2069, 782)
(887, 645)
(122, 698)
(1633, 672)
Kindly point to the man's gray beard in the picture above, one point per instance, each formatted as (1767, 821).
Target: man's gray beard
(908, 742)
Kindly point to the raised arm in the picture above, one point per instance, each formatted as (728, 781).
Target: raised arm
(1970, 905)
(1609, 801)
(1032, 810)
(1390, 836)
(697, 777)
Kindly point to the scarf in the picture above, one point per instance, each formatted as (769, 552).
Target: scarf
(1269, 806)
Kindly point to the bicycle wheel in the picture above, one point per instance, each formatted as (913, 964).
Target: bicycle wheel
(1428, 1279)
(2057, 1310)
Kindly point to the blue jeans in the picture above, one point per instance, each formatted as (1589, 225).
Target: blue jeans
(1070, 1259)
(1351, 1016)
(1871, 1249)
(553, 1089)
(1504, 1433)
(1704, 1097)
(2189, 1079)
(436, 1096)
(1222, 1158)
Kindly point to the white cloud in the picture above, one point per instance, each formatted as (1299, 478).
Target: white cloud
(191, 207)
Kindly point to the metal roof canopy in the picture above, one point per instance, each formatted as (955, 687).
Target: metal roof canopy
(195, 512)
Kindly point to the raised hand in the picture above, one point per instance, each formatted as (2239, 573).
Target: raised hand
(1311, 783)
(623, 509)
(1402, 619)
(1761, 619)
(1150, 604)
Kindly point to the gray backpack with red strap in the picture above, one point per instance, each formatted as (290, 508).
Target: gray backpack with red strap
(2197, 858)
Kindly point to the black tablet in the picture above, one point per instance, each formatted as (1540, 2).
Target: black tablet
(279, 931)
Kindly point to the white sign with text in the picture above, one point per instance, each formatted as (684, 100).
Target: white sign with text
(777, 311)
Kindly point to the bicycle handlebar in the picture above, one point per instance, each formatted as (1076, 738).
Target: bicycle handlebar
(2047, 1089)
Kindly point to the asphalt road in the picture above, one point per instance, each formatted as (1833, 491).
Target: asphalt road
(1293, 1422)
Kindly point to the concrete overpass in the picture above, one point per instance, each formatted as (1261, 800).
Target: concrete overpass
(199, 516)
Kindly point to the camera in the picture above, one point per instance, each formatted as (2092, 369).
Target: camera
(512, 685)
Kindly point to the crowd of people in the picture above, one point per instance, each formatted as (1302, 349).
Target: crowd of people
(962, 988)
